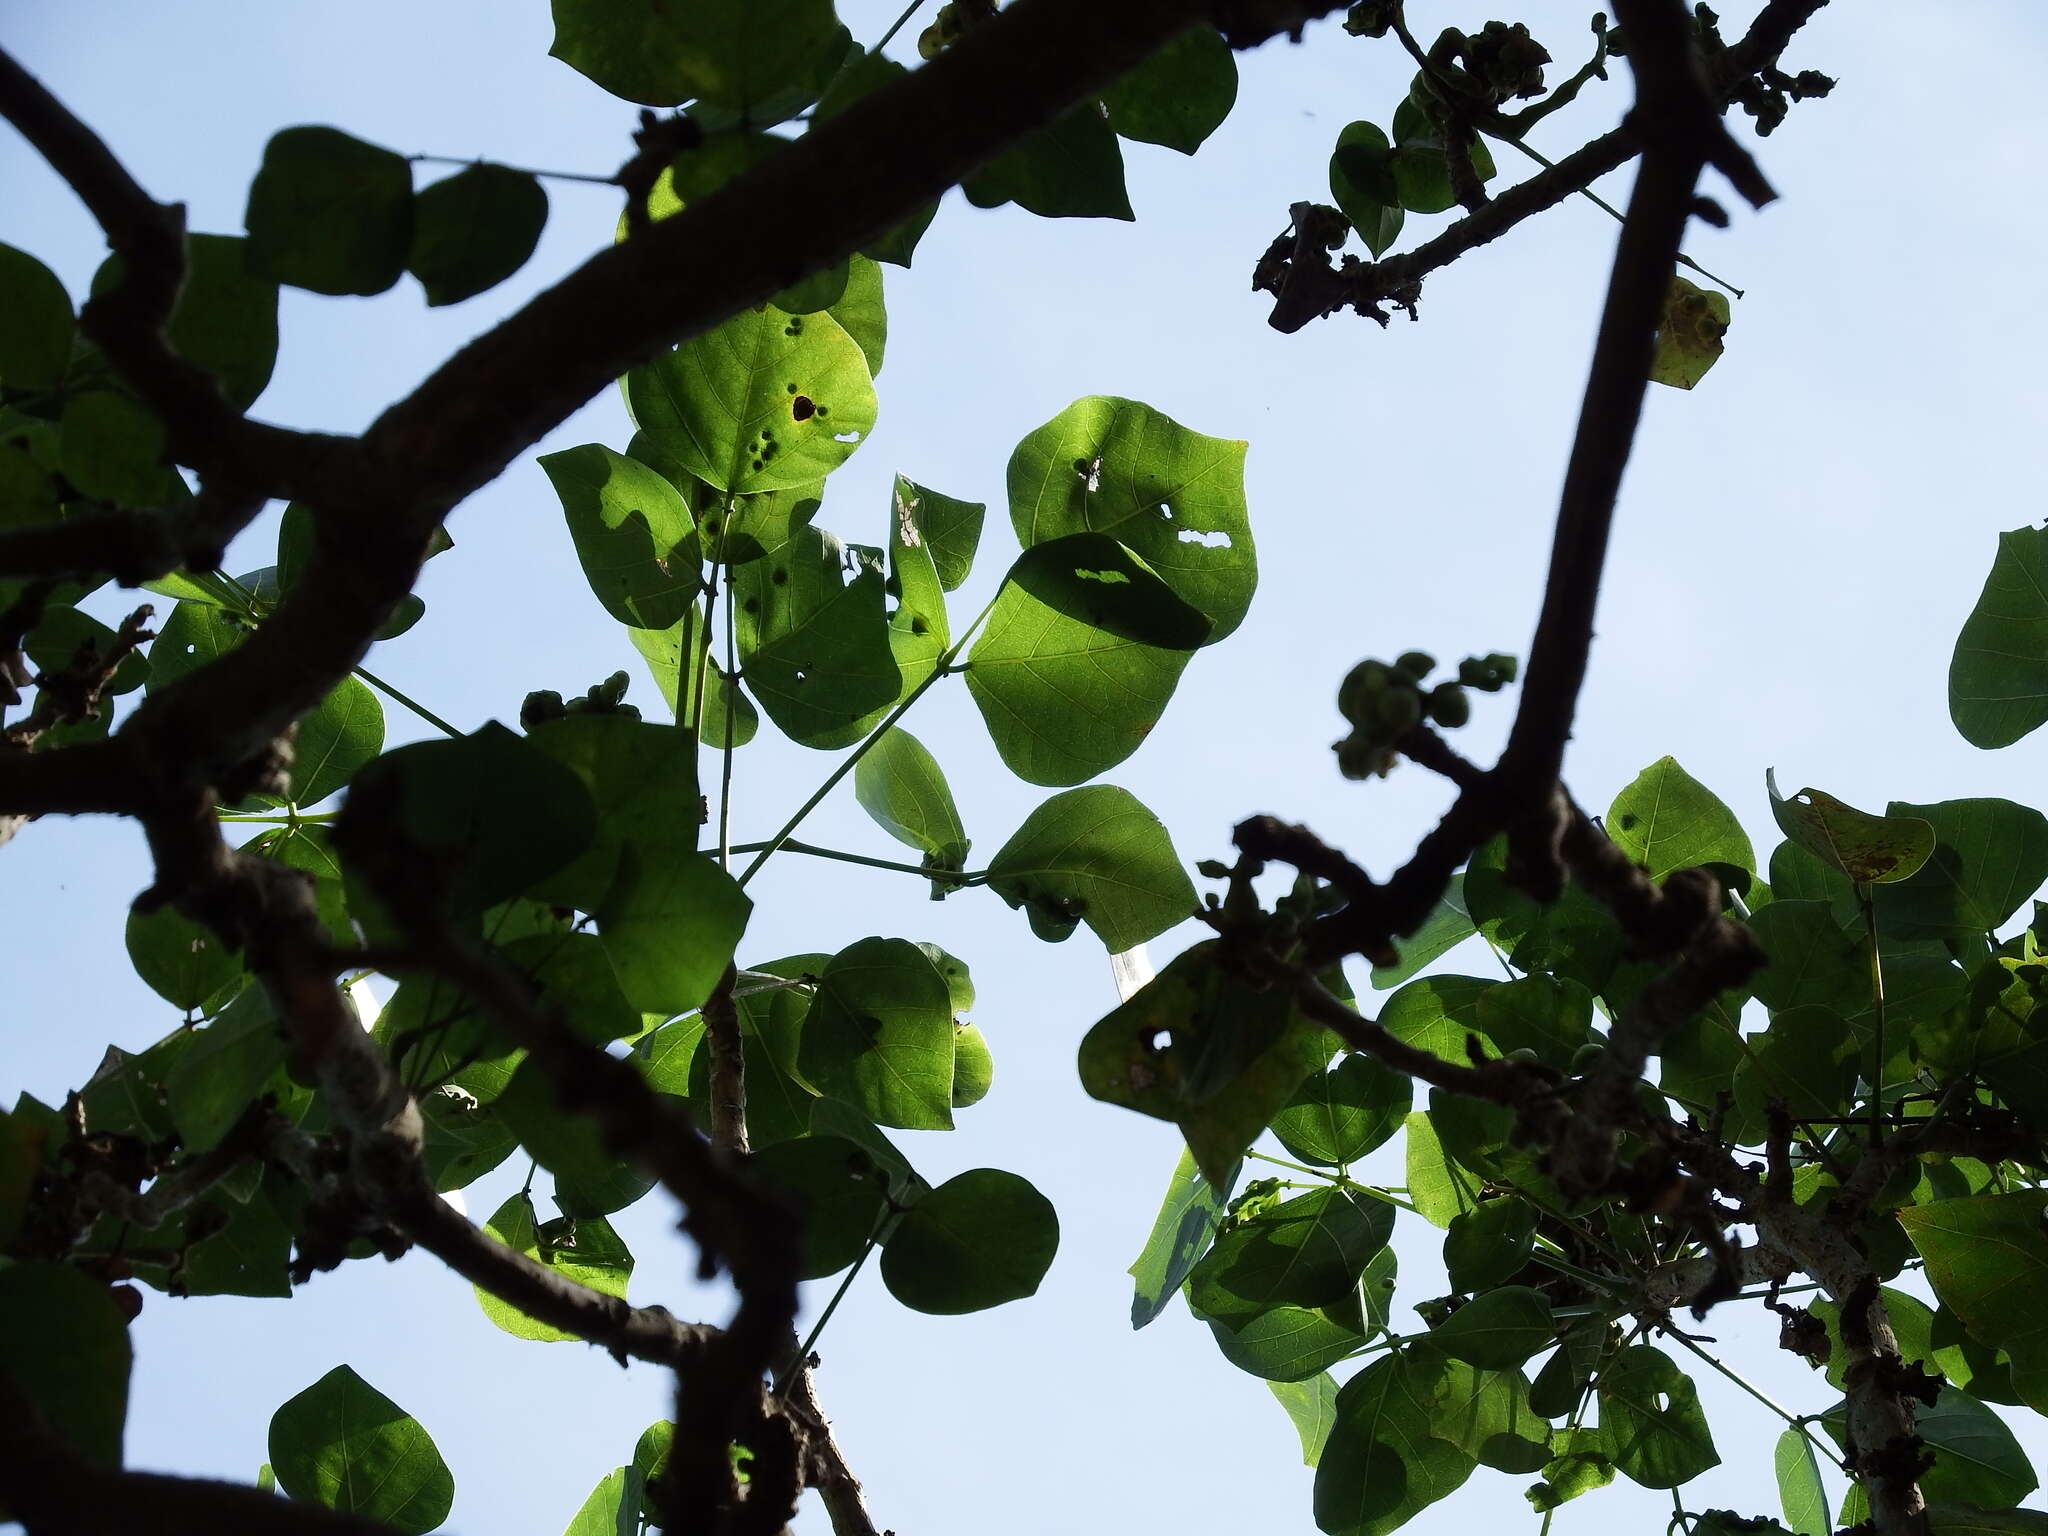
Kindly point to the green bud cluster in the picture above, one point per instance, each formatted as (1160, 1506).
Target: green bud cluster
(1383, 702)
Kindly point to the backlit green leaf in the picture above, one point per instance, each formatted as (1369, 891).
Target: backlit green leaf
(1870, 850)
(1448, 924)
(344, 1444)
(586, 1251)
(837, 1186)
(980, 1239)
(1998, 678)
(1094, 855)
(949, 528)
(1180, 1235)
(1338, 1116)
(1651, 1424)
(1496, 1331)
(1668, 820)
(1312, 1408)
(880, 1035)
(736, 54)
(1987, 1259)
(35, 322)
(1305, 1252)
(765, 401)
(670, 924)
(1989, 856)
(633, 533)
(1381, 1466)
(899, 783)
(1362, 185)
(1069, 169)
(1172, 496)
(67, 1347)
(1689, 334)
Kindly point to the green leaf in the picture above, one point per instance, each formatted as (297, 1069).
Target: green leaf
(1311, 1407)
(900, 785)
(1200, 1046)
(1284, 1343)
(1174, 497)
(587, 1252)
(1338, 1116)
(1668, 820)
(1420, 166)
(472, 230)
(840, 1190)
(1575, 936)
(736, 54)
(1989, 856)
(1381, 1466)
(1179, 96)
(1438, 1014)
(1437, 1187)
(590, 1179)
(949, 528)
(1870, 850)
(1485, 1246)
(1976, 1459)
(574, 977)
(1497, 1331)
(815, 641)
(1094, 855)
(1563, 1379)
(334, 742)
(1181, 1233)
(344, 1444)
(1808, 1059)
(633, 532)
(35, 323)
(224, 1068)
(1069, 169)
(1998, 678)
(880, 1035)
(1064, 685)
(181, 962)
(670, 924)
(1651, 1424)
(329, 213)
(1448, 924)
(765, 401)
(614, 1505)
(642, 779)
(1987, 1259)
(1363, 187)
(980, 1239)
(112, 449)
(1962, 1520)
(1689, 333)
(67, 1347)
(225, 319)
(1305, 1252)
(726, 706)
(1543, 1014)
(1801, 1494)
(494, 812)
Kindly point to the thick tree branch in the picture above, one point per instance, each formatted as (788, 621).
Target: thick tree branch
(53, 1491)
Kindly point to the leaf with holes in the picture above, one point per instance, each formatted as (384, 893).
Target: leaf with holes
(880, 1035)
(1651, 1424)
(815, 639)
(584, 1252)
(181, 962)
(1200, 1046)
(330, 213)
(1094, 855)
(1870, 850)
(1689, 333)
(765, 401)
(633, 532)
(1172, 496)
(982, 1238)
(949, 528)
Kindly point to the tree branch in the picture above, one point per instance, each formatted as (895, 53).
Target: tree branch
(54, 1491)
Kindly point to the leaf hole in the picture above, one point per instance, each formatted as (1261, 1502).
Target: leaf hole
(1216, 540)
(802, 408)
(1107, 578)
(802, 676)
(1090, 473)
(1159, 1040)
(845, 437)
(1164, 511)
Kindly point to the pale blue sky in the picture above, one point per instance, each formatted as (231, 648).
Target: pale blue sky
(1799, 541)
